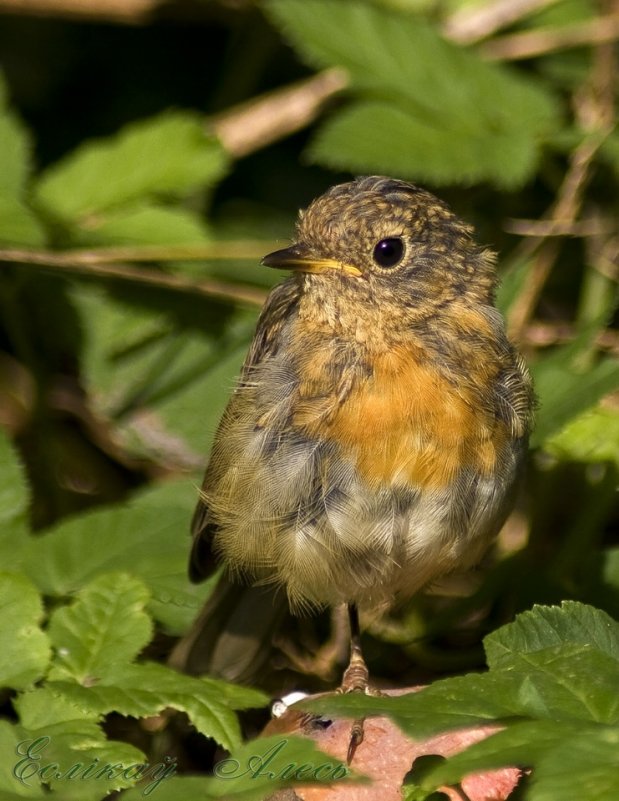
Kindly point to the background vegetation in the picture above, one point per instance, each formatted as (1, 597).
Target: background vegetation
(150, 154)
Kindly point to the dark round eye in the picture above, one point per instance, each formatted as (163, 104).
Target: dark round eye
(389, 252)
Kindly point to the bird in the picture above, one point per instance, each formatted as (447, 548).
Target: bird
(374, 438)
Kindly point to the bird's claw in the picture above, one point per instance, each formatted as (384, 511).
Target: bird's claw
(356, 738)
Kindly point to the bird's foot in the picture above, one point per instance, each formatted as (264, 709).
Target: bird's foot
(320, 661)
(356, 679)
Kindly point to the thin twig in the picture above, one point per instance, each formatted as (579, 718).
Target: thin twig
(262, 121)
(524, 305)
(594, 111)
(472, 24)
(607, 262)
(233, 250)
(62, 263)
(565, 209)
(546, 228)
(540, 42)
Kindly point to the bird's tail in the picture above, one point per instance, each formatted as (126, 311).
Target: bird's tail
(232, 637)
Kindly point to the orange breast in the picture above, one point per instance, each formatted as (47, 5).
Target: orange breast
(406, 424)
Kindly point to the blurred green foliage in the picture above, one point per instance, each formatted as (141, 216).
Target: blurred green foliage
(131, 223)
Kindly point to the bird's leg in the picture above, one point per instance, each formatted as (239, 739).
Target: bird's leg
(320, 661)
(356, 678)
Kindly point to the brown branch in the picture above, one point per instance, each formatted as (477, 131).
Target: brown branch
(64, 263)
(471, 24)
(540, 42)
(128, 12)
(594, 111)
(544, 335)
(262, 121)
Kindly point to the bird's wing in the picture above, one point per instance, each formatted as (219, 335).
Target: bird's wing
(280, 304)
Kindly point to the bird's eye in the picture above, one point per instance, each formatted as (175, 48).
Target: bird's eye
(389, 252)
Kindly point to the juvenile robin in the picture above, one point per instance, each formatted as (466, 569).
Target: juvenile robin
(376, 432)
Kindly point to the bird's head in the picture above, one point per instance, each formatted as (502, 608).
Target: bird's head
(388, 240)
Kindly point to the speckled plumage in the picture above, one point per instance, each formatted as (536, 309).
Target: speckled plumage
(375, 434)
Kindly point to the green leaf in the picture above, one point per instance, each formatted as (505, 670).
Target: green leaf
(383, 138)
(14, 495)
(145, 223)
(591, 437)
(105, 626)
(121, 340)
(565, 392)
(570, 761)
(16, 149)
(519, 744)
(570, 655)
(428, 108)
(454, 703)
(610, 561)
(544, 667)
(96, 638)
(584, 768)
(558, 14)
(24, 648)
(42, 707)
(148, 689)
(552, 687)
(522, 743)
(559, 683)
(59, 731)
(18, 225)
(168, 380)
(11, 787)
(75, 758)
(168, 155)
(547, 626)
(194, 410)
(144, 534)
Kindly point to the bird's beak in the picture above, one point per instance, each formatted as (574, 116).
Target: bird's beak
(298, 259)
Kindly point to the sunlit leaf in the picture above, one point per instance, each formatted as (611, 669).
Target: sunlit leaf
(18, 225)
(565, 392)
(149, 535)
(105, 626)
(145, 223)
(147, 689)
(428, 108)
(24, 648)
(166, 156)
(591, 437)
